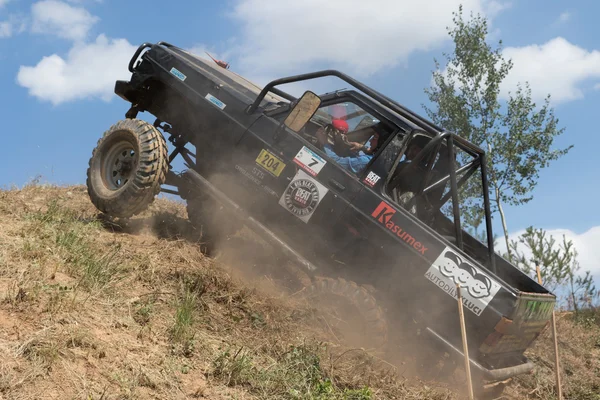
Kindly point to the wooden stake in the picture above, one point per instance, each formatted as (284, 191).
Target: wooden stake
(554, 336)
(463, 330)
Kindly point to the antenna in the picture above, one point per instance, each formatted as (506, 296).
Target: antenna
(220, 63)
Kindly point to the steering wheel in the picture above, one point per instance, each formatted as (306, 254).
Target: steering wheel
(339, 141)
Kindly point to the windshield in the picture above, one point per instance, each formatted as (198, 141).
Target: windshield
(355, 116)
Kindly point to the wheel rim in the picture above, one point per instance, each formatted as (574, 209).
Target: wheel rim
(119, 165)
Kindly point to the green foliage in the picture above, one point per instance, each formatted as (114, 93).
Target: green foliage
(582, 289)
(555, 261)
(74, 238)
(559, 267)
(295, 375)
(518, 137)
(480, 235)
(182, 329)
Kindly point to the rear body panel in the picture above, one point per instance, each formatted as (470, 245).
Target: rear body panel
(320, 209)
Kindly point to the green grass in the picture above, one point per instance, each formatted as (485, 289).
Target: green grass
(73, 237)
(296, 375)
(182, 332)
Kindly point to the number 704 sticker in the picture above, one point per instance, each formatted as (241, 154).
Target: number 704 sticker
(310, 161)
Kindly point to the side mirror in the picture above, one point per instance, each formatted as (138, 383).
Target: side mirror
(308, 104)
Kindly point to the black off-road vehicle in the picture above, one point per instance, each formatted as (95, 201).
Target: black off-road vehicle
(352, 187)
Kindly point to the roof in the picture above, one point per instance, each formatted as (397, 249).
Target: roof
(234, 77)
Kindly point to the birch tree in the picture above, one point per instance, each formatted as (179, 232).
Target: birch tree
(517, 135)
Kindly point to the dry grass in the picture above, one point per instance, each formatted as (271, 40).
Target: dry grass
(96, 310)
(579, 349)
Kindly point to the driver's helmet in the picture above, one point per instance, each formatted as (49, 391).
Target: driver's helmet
(340, 125)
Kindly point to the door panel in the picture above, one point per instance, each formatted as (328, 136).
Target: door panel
(299, 192)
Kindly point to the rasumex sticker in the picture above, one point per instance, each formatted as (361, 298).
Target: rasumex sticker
(270, 162)
(302, 196)
(178, 74)
(385, 215)
(215, 101)
(477, 288)
(310, 161)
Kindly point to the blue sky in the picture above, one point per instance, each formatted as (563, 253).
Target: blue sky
(59, 61)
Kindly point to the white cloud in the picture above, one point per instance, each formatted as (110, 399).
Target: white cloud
(585, 243)
(13, 25)
(61, 19)
(357, 37)
(557, 67)
(88, 71)
(3, 3)
(496, 7)
(6, 29)
(564, 17)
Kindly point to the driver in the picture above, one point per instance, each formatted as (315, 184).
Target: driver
(360, 154)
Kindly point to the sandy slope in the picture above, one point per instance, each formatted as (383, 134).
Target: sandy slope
(91, 310)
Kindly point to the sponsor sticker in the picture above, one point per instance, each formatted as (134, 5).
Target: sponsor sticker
(256, 176)
(302, 196)
(372, 179)
(310, 161)
(270, 162)
(215, 101)
(178, 74)
(477, 288)
(383, 214)
(256, 179)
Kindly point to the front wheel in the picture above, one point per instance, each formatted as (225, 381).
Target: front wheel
(127, 168)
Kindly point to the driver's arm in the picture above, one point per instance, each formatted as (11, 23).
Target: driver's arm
(321, 137)
(352, 164)
(355, 146)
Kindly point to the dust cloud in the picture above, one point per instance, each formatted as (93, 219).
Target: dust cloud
(247, 258)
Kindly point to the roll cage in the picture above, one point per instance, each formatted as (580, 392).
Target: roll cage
(413, 124)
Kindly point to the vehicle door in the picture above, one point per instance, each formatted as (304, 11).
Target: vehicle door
(303, 191)
(379, 233)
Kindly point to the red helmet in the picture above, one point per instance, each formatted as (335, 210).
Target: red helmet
(340, 125)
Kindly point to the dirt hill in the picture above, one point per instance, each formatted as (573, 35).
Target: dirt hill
(94, 310)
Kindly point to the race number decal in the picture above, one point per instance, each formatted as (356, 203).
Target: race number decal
(477, 288)
(310, 161)
(270, 162)
(302, 196)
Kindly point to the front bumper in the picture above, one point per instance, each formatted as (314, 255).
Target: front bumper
(125, 90)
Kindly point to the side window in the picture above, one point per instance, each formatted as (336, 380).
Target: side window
(390, 154)
(406, 179)
(347, 134)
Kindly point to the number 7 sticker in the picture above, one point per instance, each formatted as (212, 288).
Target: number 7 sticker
(309, 161)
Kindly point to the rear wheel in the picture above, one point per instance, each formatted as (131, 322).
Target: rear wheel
(127, 168)
(352, 311)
